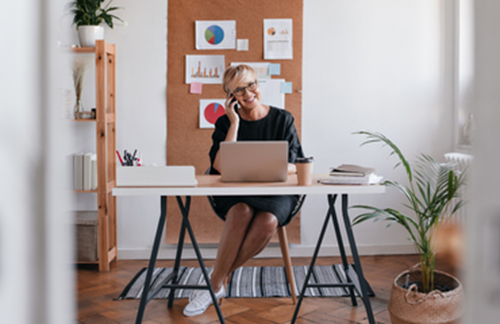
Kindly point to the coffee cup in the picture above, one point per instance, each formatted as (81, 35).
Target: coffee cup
(304, 167)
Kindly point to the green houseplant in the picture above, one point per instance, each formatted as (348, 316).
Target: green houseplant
(432, 195)
(88, 16)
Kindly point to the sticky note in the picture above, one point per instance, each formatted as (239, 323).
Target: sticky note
(242, 45)
(274, 69)
(286, 87)
(196, 87)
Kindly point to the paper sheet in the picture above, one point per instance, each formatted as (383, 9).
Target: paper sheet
(207, 69)
(270, 90)
(286, 87)
(196, 87)
(278, 39)
(242, 45)
(274, 69)
(210, 111)
(262, 69)
(215, 34)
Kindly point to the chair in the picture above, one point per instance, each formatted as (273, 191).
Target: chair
(283, 240)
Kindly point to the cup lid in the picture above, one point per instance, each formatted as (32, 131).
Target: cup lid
(308, 159)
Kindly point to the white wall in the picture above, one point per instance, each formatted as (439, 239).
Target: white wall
(382, 65)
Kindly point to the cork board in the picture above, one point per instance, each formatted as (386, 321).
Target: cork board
(187, 144)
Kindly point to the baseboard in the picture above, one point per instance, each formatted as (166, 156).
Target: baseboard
(273, 251)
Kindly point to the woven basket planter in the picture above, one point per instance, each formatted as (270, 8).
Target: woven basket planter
(408, 306)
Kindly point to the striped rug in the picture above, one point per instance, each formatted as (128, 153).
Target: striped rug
(248, 282)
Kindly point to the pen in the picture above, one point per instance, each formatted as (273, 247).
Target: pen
(119, 157)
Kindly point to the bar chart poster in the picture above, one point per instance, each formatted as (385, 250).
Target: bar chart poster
(210, 111)
(207, 69)
(215, 34)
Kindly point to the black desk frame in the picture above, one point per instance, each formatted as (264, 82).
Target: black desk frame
(172, 281)
(361, 288)
(172, 278)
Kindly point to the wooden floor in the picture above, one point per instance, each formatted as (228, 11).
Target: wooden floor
(97, 291)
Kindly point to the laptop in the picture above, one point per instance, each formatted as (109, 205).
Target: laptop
(254, 161)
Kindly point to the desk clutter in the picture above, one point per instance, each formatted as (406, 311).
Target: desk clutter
(85, 171)
(353, 175)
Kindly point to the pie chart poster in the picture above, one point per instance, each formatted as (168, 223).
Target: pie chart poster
(210, 111)
(215, 34)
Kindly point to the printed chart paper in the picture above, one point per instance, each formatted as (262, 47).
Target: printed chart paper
(207, 69)
(215, 34)
(210, 111)
(262, 69)
(278, 39)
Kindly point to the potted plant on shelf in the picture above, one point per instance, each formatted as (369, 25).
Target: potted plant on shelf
(433, 195)
(88, 16)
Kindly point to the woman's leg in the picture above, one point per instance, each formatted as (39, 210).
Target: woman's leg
(244, 235)
(259, 234)
(238, 220)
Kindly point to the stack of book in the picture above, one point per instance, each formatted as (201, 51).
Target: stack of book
(85, 171)
(352, 174)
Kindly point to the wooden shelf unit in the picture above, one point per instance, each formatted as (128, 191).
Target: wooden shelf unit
(105, 83)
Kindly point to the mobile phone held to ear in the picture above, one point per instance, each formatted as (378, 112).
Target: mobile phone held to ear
(236, 106)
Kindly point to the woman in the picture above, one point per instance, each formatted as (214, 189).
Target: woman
(250, 222)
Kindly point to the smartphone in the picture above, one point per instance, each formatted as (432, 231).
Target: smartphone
(233, 99)
(236, 106)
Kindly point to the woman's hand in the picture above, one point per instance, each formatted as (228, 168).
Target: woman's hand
(232, 133)
(231, 111)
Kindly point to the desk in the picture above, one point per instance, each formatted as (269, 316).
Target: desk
(210, 185)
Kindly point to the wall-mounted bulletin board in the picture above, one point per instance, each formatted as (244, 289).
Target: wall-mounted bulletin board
(187, 143)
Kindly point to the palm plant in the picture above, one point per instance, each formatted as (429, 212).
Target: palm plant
(91, 13)
(430, 196)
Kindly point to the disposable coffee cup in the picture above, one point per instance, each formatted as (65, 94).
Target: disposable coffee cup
(304, 170)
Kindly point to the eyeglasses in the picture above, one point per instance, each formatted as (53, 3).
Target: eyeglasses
(250, 87)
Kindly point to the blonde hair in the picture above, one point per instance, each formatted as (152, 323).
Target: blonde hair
(237, 72)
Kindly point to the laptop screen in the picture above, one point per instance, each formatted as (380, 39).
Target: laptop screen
(263, 161)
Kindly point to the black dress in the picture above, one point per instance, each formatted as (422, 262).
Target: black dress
(276, 126)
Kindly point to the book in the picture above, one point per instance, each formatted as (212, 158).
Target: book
(351, 170)
(93, 171)
(356, 180)
(78, 171)
(87, 171)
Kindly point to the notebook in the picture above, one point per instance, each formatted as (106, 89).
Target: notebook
(248, 161)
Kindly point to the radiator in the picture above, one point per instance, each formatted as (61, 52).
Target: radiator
(462, 162)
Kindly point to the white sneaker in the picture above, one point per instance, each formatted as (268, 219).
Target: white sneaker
(201, 301)
(202, 282)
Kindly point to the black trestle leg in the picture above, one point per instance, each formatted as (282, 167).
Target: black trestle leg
(178, 255)
(315, 255)
(357, 263)
(152, 259)
(185, 213)
(340, 243)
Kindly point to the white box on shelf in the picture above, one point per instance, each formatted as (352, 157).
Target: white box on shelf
(155, 176)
